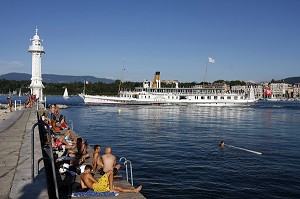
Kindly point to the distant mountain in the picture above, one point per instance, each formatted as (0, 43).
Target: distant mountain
(292, 80)
(50, 78)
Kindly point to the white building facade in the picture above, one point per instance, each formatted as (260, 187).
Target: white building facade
(36, 49)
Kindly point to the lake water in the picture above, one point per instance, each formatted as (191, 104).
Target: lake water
(174, 149)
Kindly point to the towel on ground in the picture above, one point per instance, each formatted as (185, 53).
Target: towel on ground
(95, 194)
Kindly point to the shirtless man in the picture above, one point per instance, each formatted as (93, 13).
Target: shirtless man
(109, 161)
(103, 184)
(96, 158)
(81, 150)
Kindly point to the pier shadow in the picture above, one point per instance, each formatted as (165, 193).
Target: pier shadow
(36, 189)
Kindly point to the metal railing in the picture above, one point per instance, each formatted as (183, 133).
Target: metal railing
(16, 104)
(126, 162)
(46, 147)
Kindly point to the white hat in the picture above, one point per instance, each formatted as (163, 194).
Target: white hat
(82, 168)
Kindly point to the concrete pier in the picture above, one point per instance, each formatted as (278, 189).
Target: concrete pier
(15, 156)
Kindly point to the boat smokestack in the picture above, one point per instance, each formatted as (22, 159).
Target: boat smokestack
(156, 82)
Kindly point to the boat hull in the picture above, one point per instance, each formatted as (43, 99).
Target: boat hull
(105, 100)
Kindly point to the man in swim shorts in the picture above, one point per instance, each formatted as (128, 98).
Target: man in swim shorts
(103, 184)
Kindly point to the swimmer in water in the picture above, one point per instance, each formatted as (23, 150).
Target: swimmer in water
(222, 144)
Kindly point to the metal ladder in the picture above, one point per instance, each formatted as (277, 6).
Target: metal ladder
(126, 162)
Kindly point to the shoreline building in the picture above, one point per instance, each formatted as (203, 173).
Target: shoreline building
(36, 49)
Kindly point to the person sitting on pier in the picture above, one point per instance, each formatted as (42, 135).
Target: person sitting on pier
(46, 119)
(52, 111)
(82, 153)
(56, 111)
(62, 122)
(70, 139)
(54, 127)
(103, 184)
(109, 162)
(62, 140)
(96, 158)
(28, 103)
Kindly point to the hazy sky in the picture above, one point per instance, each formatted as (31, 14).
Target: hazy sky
(250, 39)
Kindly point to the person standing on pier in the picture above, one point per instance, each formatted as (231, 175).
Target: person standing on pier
(9, 103)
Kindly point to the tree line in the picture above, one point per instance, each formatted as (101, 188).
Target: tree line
(98, 88)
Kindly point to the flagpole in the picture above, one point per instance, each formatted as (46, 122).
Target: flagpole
(205, 72)
(84, 87)
(121, 77)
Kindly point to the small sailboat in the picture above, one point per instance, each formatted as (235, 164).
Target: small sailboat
(66, 95)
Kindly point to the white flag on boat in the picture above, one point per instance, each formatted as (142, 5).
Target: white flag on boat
(211, 60)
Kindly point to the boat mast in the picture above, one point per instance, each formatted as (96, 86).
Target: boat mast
(123, 68)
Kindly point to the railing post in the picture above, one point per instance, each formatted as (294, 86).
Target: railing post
(45, 103)
(72, 126)
(32, 150)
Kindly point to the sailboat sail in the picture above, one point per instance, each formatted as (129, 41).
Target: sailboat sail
(66, 95)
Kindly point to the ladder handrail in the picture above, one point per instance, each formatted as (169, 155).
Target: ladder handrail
(126, 168)
(131, 176)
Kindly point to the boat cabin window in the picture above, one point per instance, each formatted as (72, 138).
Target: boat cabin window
(228, 97)
(222, 97)
(235, 97)
(202, 97)
(208, 97)
(182, 97)
(215, 97)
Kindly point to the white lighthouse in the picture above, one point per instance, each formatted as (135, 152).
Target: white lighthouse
(36, 49)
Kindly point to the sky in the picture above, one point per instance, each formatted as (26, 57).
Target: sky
(257, 40)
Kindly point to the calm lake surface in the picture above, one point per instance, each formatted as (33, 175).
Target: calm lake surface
(174, 149)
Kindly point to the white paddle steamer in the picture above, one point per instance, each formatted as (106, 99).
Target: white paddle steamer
(153, 94)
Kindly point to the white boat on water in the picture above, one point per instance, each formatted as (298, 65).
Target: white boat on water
(152, 93)
(66, 94)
